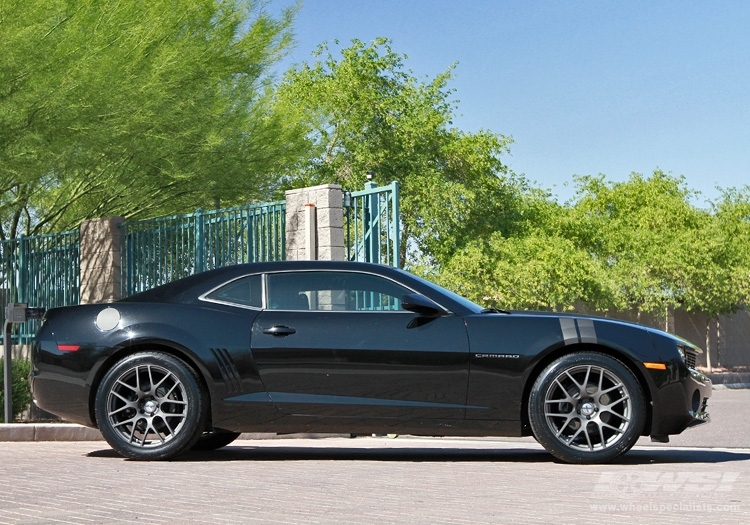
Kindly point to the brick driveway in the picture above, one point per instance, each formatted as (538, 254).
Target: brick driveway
(370, 480)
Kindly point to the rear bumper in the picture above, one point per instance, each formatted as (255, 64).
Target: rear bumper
(65, 399)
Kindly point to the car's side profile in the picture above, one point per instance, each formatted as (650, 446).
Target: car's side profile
(359, 348)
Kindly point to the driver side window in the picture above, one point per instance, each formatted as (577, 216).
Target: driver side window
(333, 291)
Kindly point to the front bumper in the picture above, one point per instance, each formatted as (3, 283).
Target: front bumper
(680, 403)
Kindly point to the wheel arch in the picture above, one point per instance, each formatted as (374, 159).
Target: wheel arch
(167, 347)
(622, 357)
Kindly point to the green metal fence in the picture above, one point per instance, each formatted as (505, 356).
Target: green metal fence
(161, 250)
(371, 224)
(42, 270)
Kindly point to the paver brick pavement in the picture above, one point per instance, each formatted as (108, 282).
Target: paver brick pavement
(370, 480)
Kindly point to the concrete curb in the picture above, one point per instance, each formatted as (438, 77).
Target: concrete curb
(48, 432)
(730, 380)
(73, 432)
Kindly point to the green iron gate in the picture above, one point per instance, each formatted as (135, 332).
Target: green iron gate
(158, 251)
(371, 224)
(42, 270)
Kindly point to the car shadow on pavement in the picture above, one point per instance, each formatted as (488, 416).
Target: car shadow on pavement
(438, 455)
(647, 455)
(412, 454)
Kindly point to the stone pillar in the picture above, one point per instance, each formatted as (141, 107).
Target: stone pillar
(100, 260)
(325, 202)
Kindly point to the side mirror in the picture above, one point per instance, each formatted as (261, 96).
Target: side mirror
(419, 304)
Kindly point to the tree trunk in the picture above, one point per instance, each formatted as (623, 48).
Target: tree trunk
(708, 346)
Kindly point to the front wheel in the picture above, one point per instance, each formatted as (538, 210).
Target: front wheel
(587, 408)
(151, 406)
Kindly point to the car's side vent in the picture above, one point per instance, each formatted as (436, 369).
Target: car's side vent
(229, 373)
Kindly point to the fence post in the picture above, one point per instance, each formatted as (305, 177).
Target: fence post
(372, 225)
(23, 269)
(200, 241)
(329, 215)
(100, 260)
(395, 232)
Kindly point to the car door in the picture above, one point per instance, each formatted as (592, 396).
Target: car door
(339, 344)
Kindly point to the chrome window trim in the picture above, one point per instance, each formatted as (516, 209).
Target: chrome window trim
(204, 297)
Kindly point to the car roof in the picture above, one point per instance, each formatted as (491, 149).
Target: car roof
(189, 288)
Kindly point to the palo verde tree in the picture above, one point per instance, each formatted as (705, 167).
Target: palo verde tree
(365, 112)
(136, 108)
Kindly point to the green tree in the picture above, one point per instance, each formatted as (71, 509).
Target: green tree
(714, 276)
(536, 268)
(661, 250)
(639, 229)
(636, 245)
(534, 272)
(365, 112)
(136, 108)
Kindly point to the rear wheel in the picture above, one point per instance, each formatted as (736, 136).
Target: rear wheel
(587, 408)
(150, 406)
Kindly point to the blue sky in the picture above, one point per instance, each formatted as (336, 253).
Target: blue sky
(583, 87)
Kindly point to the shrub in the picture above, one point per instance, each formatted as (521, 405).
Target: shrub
(21, 391)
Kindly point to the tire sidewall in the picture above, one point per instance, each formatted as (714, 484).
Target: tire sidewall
(195, 419)
(542, 431)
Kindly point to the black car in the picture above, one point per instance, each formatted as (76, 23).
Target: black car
(349, 347)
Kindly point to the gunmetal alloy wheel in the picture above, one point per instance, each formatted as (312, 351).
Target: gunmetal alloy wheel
(151, 406)
(587, 408)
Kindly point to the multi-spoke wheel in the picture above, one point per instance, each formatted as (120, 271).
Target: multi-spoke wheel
(151, 406)
(587, 408)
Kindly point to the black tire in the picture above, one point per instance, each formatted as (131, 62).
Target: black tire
(587, 407)
(151, 406)
(214, 440)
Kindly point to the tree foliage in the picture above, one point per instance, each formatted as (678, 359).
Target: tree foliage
(365, 112)
(534, 271)
(136, 108)
(638, 245)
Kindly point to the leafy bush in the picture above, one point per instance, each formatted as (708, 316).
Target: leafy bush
(21, 392)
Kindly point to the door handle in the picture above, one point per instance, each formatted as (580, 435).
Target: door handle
(280, 330)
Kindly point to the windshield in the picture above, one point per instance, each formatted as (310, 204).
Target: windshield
(463, 301)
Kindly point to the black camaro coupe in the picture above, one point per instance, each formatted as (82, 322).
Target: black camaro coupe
(349, 347)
